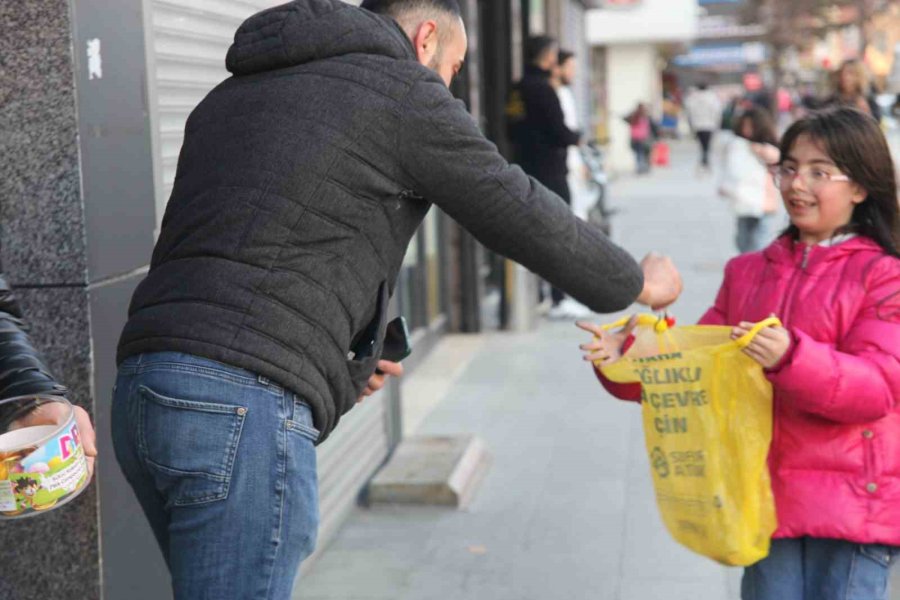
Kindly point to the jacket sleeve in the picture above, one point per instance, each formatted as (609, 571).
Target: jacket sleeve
(22, 371)
(623, 391)
(858, 380)
(453, 165)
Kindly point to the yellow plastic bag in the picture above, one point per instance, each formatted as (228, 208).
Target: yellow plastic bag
(707, 411)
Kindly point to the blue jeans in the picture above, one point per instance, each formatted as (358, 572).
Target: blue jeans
(223, 464)
(820, 569)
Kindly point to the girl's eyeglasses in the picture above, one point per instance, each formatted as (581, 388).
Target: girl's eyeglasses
(814, 178)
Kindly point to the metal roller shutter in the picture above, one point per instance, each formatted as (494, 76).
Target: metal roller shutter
(186, 45)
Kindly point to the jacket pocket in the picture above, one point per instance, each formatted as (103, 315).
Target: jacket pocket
(368, 347)
(880, 553)
(301, 420)
(189, 446)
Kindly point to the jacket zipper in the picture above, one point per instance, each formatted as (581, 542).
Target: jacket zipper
(788, 301)
(788, 298)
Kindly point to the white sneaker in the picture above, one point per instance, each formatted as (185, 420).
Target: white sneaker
(557, 313)
(575, 310)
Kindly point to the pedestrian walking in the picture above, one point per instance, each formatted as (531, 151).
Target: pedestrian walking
(704, 110)
(641, 129)
(833, 278)
(850, 85)
(301, 180)
(745, 180)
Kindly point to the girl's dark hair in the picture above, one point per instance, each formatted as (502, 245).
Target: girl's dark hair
(762, 124)
(854, 141)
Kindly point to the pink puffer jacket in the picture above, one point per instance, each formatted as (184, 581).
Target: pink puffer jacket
(835, 454)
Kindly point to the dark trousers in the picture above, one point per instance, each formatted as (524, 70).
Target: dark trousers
(704, 137)
(560, 187)
(641, 149)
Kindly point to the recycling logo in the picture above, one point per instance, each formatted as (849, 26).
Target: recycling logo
(659, 462)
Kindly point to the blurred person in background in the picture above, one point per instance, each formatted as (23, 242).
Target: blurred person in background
(851, 88)
(642, 131)
(539, 130)
(579, 191)
(703, 109)
(744, 177)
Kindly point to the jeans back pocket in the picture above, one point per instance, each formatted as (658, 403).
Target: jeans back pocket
(301, 420)
(189, 446)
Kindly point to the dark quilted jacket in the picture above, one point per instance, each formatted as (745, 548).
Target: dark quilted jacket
(302, 179)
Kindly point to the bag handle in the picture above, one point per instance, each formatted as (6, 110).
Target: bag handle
(745, 339)
(659, 324)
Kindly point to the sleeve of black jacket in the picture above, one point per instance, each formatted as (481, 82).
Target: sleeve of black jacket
(22, 371)
(454, 166)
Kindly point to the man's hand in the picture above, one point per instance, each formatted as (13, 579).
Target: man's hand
(377, 380)
(768, 347)
(55, 413)
(607, 347)
(662, 282)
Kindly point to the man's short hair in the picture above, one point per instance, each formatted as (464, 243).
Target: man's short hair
(395, 8)
(536, 47)
(564, 55)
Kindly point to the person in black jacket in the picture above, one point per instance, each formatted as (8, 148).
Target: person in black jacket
(301, 180)
(23, 373)
(537, 125)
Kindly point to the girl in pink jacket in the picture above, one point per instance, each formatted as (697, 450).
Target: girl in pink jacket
(833, 278)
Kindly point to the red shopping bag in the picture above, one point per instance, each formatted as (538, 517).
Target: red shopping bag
(659, 156)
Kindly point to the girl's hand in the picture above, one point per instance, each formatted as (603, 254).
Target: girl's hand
(768, 347)
(608, 348)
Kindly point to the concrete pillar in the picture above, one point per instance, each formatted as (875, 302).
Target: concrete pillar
(76, 229)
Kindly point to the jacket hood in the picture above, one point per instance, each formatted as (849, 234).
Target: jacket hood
(307, 30)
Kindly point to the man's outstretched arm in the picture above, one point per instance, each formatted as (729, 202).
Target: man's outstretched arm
(453, 165)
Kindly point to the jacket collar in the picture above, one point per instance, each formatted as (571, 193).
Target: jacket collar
(788, 252)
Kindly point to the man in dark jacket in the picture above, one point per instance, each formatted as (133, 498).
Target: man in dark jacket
(301, 180)
(537, 126)
(23, 373)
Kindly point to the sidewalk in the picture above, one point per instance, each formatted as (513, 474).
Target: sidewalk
(567, 510)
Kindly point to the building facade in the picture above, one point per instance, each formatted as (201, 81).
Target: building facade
(632, 43)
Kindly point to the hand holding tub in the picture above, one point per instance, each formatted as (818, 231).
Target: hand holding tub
(53, 413)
